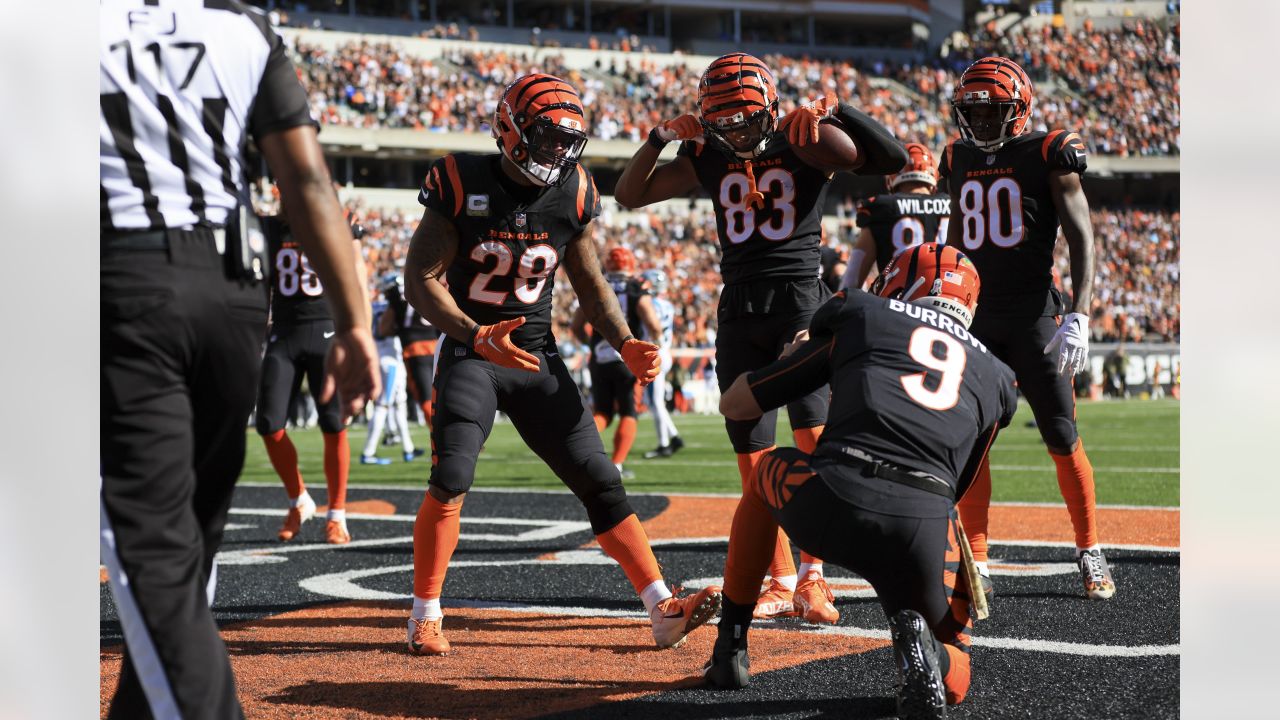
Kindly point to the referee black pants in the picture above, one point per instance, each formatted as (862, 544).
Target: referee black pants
(180, 357)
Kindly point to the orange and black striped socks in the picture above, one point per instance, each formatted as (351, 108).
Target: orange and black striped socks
(974, 510)
(783, 567)
(1075, 480)
(337, 468)
(807, 441)
(284, 458)
(435, 537)
(628, 545)
(623, 438)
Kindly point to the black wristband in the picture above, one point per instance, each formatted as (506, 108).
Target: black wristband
(885, 155)
(471, 339)
(625, 339)
(655, 141)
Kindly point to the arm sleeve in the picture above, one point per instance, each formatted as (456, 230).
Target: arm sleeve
(588, 198)
(885, 154)
(442, 188)
(1063, 150)
(281, 102)
(794, 376)
(944, 167)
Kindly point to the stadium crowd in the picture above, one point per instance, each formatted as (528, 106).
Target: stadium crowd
(1119, 87)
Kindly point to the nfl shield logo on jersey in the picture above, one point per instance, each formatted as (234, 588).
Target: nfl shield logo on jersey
(521, 220)
(991, 159)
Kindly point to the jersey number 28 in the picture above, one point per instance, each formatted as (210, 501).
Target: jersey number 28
(945, 356)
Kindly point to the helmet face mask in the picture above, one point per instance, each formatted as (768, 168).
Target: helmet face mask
(738, 105)
(540, 127)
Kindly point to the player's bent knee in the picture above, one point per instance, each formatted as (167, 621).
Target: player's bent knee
(268, 425)
(331, 422)
(748, 436)
(442, 495)
(1059, 435)
(453, 474)
(597, 485)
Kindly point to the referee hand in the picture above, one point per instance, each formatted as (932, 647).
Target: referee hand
(351, 369)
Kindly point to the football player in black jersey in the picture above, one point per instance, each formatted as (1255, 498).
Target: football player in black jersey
(613, 386)
(916, 401)
(301, 332)
(1010, 190)
(418, 340)
(911, 213)
(768, 205)
(498, 225)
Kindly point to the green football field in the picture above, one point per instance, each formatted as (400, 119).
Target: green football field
(1133, 446)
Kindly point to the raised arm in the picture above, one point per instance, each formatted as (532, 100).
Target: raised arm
(641, 184)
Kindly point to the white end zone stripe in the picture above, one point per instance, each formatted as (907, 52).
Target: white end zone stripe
(142, 651)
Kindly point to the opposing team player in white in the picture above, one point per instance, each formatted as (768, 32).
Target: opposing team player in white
(668, 435)
(394, 398)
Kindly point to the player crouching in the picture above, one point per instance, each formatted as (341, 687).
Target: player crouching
(915, 403)
(498, 225)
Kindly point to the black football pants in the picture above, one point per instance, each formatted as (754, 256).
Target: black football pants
(180, 359)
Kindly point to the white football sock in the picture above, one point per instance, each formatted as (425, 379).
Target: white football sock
(655, 593)
(301, 499)
(338, 515)
(426, 609)
(806, 568)
(787, 581)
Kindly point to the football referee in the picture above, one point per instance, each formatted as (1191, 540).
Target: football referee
(184, 84)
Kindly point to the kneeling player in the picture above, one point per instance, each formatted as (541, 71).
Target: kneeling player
(498, 225)
(915, 403)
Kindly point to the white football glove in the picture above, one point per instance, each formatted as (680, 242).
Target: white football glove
(1072, 343)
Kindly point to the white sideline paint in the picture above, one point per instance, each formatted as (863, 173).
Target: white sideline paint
(341, 585)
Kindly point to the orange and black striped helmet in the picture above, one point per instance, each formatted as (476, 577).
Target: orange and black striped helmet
(992, 82)
(738, 102)
(620, 260)
(938, 276)
(540, 126)
(920, 168)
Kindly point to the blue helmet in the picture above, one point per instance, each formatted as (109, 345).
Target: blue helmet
(656, 279)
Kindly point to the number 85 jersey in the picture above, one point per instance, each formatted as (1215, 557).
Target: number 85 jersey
(508, 247)
(1008, 221)
(777, 240)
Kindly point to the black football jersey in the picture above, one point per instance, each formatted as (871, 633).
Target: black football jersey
(296, 293)
(509, 242)
(411, 326)
(775, 241)
(909, 386)
(1008, 220)
(628, 290)
(898, 221)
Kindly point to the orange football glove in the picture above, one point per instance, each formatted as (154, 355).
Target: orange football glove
(801, 124)
(685, 127)
(642, 360)
(493, 342)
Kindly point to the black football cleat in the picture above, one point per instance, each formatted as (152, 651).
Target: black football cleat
(921, 694)
(659, 452)
(727, 670)
(676, 444)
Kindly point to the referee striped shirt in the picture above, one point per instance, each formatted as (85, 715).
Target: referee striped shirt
(184, 84)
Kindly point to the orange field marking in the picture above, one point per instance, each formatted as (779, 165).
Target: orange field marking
(349, 660)
(368, 507)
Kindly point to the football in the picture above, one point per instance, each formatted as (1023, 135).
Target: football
(835, 150)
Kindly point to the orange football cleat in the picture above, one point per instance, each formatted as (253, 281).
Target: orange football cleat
(293, 521)
(335, 533)
(775, 602)
(813, 600)
(426, 637)
(676, 617)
